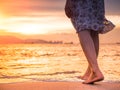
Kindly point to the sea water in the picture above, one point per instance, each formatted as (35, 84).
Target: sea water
(54, 62)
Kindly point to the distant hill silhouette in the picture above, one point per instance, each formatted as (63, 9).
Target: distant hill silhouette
(15, 40)
(9, 40)
(34, 41)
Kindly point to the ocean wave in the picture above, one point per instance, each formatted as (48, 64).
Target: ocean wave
(32, 74)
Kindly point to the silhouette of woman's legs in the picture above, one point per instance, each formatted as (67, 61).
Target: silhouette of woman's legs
(95, 38)
(88, 46)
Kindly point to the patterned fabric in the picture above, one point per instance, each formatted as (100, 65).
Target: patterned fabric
(87, 14)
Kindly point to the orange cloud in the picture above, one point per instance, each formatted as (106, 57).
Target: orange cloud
(14, 7)
(23, 7)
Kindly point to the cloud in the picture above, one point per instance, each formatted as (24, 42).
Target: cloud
(29, 7)
(25, 7)
(14, 7)
(51, 5)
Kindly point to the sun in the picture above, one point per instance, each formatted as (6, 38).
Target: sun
(29, 29)
(1, 17)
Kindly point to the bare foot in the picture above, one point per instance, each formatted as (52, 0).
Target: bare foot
(85, 77)
(87, 74)
(94, 77)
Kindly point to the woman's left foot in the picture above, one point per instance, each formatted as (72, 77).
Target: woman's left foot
(85, 77)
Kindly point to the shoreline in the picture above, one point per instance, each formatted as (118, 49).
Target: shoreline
(60, 86)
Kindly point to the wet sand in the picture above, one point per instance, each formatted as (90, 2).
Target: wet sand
(60, 86)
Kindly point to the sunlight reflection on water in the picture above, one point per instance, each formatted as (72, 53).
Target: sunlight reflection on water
(45, 62)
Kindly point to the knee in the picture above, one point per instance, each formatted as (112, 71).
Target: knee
(84, 34)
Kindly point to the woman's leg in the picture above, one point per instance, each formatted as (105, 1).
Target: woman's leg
(88, 46)
(95, 38)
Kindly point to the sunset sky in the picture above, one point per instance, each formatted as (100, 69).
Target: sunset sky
(45, 16)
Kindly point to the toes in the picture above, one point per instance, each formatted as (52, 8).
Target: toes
(88, 82)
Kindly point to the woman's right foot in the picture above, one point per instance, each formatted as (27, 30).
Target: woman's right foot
(94, 77)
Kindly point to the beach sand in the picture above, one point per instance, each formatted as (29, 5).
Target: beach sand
(60, 86)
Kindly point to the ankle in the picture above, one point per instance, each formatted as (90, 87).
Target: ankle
(97, 72)
(96, 69)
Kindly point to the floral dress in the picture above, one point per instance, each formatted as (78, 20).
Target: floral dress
(86, 14)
